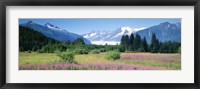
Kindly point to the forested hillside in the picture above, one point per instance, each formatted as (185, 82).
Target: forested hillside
(32, 40)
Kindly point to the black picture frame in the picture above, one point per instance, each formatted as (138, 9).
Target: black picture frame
(4, 3)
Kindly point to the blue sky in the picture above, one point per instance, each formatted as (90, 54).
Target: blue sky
(82, 25)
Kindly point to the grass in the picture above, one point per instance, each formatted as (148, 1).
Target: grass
(91, 58)
(127, 61)
(37, 58)
(169, 61)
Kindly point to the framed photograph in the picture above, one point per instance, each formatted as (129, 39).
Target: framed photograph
(91, 44)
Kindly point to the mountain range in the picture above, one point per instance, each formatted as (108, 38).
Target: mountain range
(54, 32)
(110, 35)
(164, 31)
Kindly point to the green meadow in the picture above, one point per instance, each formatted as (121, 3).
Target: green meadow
(143, 60)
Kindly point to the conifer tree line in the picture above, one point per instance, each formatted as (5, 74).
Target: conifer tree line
(30, 40)
(33, 41)
(137, 44)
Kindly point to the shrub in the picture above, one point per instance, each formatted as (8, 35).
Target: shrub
(95, 51)
(112, 55)
(29, 51)
(35, 48)
(39, 51)
(116, 50)
(84, 51)
(57, 51)
(102, 50)
(141, 50)
(66, 56)
(80, 51)
(128, 51)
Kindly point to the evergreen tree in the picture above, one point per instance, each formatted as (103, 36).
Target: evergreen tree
(126, 42)
(32, 40)
(122, 40)
(79, 41)
(131, 43)
(144, 44)
(160, 47)
(154, 43)
(122, 43)
(137, 41)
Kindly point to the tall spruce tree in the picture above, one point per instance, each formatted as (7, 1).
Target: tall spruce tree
(79, 41)
(131, 42)
(154, 43)
(126, 42)
(122, 43)
(144, 44)
(122, 40)
(137, 41)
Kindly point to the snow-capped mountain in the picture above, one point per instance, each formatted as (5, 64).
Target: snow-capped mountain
(54, 32)
(110, 35)
(164, 31)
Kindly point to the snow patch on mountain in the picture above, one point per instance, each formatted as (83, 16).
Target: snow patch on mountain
(52, 27)
(138, 29)
(114, 35)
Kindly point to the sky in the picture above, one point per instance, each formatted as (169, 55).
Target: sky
(86, 25)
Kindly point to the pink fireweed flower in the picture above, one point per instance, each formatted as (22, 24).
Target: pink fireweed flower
(87, 66)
